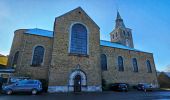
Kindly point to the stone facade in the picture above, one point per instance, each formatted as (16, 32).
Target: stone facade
(25, 43)
(60, 67)
(112, 75)
(64, 63)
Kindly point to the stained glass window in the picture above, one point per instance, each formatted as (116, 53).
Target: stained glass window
(135, 65)
(38, 56)
(148, 64)
(103, 62)
(78, 39)
(120, 64)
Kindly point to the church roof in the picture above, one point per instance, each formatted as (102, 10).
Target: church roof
(118, 15)
(47, 33)
(41, 32)
(119, 21)
(116, 45)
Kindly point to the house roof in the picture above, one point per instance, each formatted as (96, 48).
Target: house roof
(41, 32)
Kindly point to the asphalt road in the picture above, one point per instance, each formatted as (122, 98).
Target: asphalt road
(134, 95)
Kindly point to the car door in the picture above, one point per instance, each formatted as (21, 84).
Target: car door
(18, 86)
(30, 85)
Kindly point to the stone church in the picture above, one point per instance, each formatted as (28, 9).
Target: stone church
(73, 58)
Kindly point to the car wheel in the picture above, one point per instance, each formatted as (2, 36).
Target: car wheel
(9, 92)
(34, 91)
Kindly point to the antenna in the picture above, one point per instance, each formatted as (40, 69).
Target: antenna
(117, 6)
(36, 26)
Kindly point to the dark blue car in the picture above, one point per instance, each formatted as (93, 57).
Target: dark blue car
(32, 86)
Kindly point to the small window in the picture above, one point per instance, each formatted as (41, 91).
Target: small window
(38, 56)
(135, 65)
(116, 34)
(128, 33)
(124, 33)
(120, 64)
(103, 62)
(113, 36)
(148, 64)
(15, 59)
(127, 42)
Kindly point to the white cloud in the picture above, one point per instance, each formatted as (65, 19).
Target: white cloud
(4, 52)
(167, 68)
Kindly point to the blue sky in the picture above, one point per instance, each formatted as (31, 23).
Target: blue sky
(148, 19)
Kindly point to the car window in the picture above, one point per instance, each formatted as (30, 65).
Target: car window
(30, 82)
(26, 82)
(21, 82)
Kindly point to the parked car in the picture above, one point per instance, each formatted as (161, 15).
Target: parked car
(119, 87)
(32, 86)
(144, 87)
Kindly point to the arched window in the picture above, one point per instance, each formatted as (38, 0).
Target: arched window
(38, 56)
(124, 33)
(113, 36)
(148, 64)
(103, 62)
(127, 42)
(120, 64)
(15, 59)
(135, 65)
(79, 40)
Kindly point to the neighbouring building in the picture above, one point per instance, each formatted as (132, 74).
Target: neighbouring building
(73, 58)
(3, 60)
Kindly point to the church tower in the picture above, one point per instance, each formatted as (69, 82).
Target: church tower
(121, 34)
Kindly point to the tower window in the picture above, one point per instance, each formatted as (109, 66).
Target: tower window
(116, 34)
(78, 41)
(127, 42)
(124, 33)
(120, 64)
(113, 36)
(38, 56)
(128, 34)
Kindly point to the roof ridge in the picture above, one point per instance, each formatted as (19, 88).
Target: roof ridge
(82, 11)
(40, 29)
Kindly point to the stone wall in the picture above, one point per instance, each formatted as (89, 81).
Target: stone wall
(16, 46)
(112, 75)
(25, 43)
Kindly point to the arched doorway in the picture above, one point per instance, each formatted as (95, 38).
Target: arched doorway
(77, 83)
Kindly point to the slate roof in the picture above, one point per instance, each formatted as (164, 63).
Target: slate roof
(46, 33)
(116, 45)
(41, 32)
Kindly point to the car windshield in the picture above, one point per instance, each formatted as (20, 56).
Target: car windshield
(147, 85)
(123, 85)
